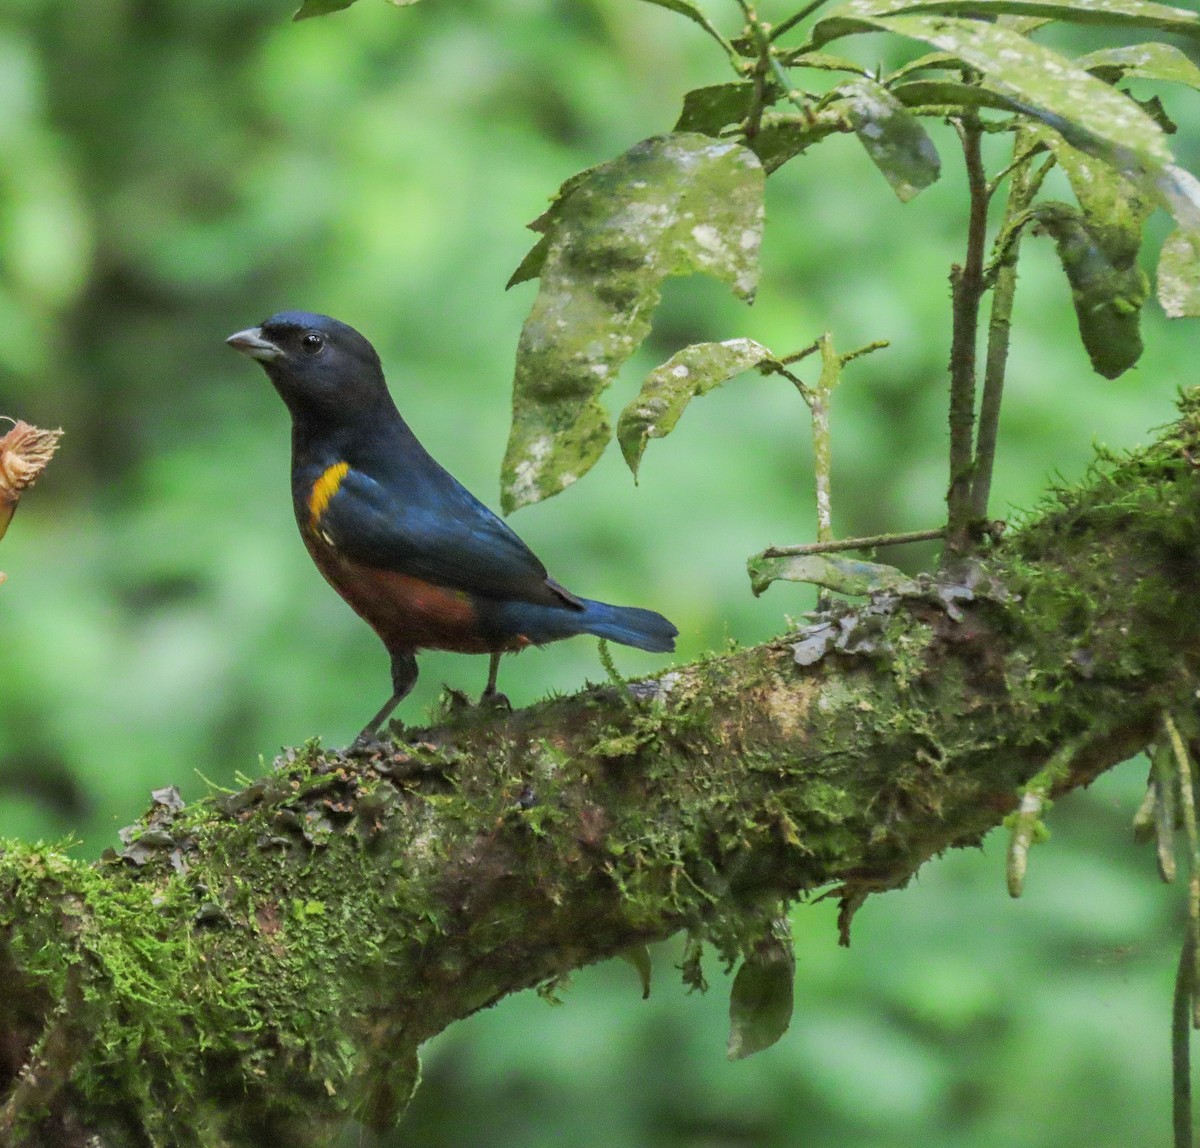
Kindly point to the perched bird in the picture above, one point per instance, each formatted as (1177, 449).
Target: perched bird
(412, 552)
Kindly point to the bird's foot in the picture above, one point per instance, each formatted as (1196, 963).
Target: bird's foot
(495, 700)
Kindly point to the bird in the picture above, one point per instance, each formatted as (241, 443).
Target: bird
(418, 557)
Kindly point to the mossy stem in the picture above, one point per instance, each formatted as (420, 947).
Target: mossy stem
(968, 286)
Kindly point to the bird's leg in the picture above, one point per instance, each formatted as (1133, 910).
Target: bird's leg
(404, 677)
(492, 696)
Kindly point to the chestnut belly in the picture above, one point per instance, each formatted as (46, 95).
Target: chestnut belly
(407, 613)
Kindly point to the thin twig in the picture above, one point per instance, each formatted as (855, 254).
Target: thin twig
(1181, 1044)
(999, 329)
(1187, 803)
(869, 542)
(968, 286)
(787, 25)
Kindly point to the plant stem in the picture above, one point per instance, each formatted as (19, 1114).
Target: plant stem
(868, 542)
(1181, 1035)
(1021, 192)
(967, 284)
(788, 24)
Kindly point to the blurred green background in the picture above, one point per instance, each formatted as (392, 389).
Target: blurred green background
(171, 172)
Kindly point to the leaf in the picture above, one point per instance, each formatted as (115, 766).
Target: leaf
(760, 1002)
(1152, 61)
(842, 575)
(685, 8)
(1179, 275)
(1114, 208)
(668, 389)
(311, 8)
(671, 205)
(951, 94)
(1108, 299)
(894, 139)
(1052, 89)
(783, 137)
(708, 110)
(822, 61)
(1128, 13)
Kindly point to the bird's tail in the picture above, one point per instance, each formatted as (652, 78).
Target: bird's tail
(629, 625)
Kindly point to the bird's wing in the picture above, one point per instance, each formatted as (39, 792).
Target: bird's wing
(436, 530)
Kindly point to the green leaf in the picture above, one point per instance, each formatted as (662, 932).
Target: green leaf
(311, 8)
(1109, 123)
(783, 137)
(668, 389)
(953, 94)
(1152, 61)
(1108, 299)
(671, 205)
(1179, 275)
(822, 61)
(1127, 13)
(1115, 208)
(686, 8)
(760, 1002)
(842, 575)
(708, 110)
(892, 137)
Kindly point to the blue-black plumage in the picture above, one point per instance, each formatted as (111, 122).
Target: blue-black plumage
(412, 551)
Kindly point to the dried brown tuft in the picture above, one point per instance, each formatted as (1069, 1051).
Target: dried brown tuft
(24, 452)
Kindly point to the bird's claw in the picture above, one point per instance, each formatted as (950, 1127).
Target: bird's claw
(367, 745)
(494, 699)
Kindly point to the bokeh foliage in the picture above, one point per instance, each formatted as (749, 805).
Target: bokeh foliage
(171, 172)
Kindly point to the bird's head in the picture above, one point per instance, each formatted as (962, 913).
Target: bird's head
(318, 365)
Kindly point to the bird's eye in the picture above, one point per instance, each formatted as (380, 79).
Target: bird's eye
(312, 343)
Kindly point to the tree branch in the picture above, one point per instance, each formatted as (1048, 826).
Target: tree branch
(258, 966)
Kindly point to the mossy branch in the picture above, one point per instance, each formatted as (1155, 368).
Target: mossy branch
(262, 965)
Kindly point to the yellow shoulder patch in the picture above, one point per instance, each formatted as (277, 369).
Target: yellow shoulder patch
(325, 488)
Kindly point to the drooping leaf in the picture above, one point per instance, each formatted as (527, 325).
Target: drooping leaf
(1179, 275)
(892, 137)
(1108, 299)
(1150, 61)
(311, 8)
(761, 1000)
(708, 110)
(1114, 207)
(668, 389)
(671, 205)
(842, 575)
(1046, 85)
(1123, 13)
(686, 8)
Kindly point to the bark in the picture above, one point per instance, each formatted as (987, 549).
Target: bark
(259, 966)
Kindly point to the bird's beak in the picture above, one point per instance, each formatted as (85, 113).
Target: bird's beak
(251, 342)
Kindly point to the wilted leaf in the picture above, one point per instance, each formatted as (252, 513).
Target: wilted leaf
(892, 137)
(1108, 299)
(312, 8)
(842, 575)
(1152, 61)
(668, 389)
(1126, 13)
(708, 110)
(671, 205)
(1179, 275)
(760, 1002)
